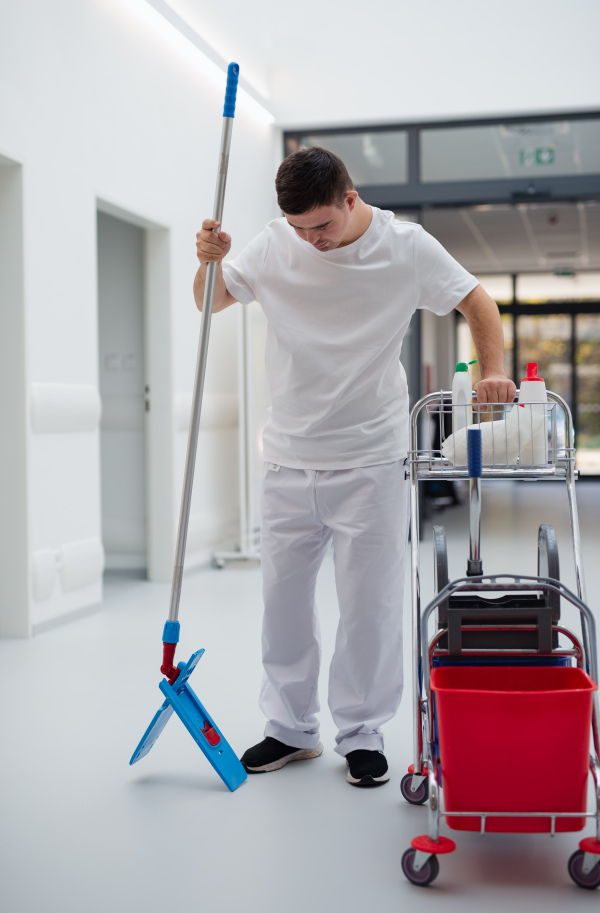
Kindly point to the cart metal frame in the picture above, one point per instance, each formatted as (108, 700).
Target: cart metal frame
(425, 464)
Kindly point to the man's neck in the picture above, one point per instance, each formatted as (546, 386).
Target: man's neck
(361, 219)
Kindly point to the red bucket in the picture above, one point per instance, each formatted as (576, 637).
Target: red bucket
(513, 739)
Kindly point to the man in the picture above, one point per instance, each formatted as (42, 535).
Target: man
(338, 281)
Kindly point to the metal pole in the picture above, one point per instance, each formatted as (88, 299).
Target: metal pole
(209, 291)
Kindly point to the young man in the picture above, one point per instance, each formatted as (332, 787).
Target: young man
(338, 281)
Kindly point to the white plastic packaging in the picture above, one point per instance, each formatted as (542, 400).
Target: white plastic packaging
(499, 444)
(462, 396)
(531, 418)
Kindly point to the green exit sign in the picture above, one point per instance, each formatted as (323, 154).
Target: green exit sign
(543, 155)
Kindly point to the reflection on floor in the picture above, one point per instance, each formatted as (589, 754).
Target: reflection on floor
(82, 832)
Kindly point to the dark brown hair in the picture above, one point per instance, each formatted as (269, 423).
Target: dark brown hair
(310, 178)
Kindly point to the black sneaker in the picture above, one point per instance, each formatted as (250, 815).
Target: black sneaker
(366, 768)
(271, 754)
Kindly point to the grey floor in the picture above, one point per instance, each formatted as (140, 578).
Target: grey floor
(82, 831)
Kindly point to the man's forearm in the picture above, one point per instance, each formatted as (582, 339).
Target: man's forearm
(485, 325)
(221, 299)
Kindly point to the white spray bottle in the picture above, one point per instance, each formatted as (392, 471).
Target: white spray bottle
(532, 418)
(462, 396)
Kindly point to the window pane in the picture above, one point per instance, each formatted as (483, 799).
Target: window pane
(547, 340)
(508, 326)
(466, 351)
(371, 158)
(530, 150)
(409, 215)
(587, 367)
(536, 288)
(500, 288)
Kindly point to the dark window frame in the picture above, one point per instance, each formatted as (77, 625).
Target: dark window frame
(416, 194)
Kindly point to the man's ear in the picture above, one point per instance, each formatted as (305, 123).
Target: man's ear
(350, 198)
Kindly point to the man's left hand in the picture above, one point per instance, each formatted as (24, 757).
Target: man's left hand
(495, 388)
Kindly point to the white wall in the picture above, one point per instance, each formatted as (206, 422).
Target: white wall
(101, 100)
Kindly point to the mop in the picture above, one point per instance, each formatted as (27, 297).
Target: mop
(179, 696)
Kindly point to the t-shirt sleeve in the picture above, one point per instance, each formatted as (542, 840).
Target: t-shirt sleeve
(242, 273)
(442, 282)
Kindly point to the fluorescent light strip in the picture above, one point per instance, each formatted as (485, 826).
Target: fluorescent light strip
(192, 36)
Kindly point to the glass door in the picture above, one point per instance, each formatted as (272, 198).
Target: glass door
(587, 386)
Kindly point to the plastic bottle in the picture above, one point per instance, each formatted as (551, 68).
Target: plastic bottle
(532, 419)
(462, 396)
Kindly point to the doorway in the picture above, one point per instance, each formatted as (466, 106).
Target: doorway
(121, 334)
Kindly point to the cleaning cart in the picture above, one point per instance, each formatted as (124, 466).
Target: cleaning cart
(505, 696)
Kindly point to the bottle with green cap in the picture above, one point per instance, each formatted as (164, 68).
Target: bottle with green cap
(462, 396)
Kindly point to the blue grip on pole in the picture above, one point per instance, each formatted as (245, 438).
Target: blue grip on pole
(233, 72)
(474, 459)
(171, 632)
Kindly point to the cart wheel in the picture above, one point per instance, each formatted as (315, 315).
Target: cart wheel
(548, 565)
(440, 567)
(588, 880)
(425, 875)
(419, 796)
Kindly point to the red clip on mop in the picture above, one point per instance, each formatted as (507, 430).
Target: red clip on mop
(179, 696)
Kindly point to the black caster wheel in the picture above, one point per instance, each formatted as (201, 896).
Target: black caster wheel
(419, 796)
(428, 873)
(589, 880)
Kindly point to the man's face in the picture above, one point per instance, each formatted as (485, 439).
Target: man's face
(326, 227)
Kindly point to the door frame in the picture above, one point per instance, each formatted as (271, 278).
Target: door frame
(158, 382)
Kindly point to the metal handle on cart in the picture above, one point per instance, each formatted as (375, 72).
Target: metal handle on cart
(209, 291)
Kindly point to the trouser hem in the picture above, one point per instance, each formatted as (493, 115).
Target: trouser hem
(369, 741)
(291, 737)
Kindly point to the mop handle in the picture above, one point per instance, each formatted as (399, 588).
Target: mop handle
(171, 632)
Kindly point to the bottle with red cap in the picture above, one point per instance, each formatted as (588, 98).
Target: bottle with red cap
(532, 417)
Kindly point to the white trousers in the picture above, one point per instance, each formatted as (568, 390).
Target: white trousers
(365, 513)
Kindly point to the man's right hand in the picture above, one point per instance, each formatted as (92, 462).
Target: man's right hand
(212, 246)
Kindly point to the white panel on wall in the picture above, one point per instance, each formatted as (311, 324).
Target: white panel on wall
(81, 563)
(219, 410)
(64, 408)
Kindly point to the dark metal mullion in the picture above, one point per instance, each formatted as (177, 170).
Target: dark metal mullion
(414, 153)
(553, 307)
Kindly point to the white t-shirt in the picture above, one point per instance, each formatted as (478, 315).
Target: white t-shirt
(336, 320)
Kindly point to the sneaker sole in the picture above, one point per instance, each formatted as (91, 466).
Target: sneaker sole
(303, 754)
(367, 781)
